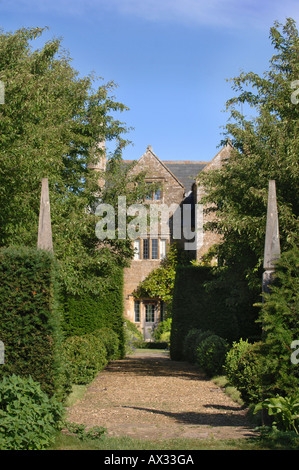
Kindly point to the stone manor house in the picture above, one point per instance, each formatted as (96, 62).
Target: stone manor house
(177, 185)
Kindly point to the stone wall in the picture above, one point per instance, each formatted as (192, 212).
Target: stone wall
(133, 275)
(172, 193)
(211, 238)
(157, 172)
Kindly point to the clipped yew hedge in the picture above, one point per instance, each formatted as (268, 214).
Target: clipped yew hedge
(83, 314)
(198, 303)
(30, 322)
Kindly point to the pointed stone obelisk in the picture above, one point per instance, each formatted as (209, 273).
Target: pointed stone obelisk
(44, 239)
(272, 244)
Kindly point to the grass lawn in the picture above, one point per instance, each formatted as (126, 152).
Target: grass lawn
(65, 442)
(149, 351)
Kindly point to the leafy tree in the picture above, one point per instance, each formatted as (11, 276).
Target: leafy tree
(50, 126)
(265, 146)
(121, 180)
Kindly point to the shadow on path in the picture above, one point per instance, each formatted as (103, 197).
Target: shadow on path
(149, 395)
(195, 418)
(155, 365)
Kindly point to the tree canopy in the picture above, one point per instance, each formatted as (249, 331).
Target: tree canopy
(51, 126)
(265, 146)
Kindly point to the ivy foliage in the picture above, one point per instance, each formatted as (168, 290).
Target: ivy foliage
(160, 282)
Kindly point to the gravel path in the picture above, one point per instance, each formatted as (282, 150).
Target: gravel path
(149, 396)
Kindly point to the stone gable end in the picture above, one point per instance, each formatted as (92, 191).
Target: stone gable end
(173, 191)
(211, 238)
(156, 171)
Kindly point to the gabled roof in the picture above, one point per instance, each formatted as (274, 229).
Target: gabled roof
(185, 171)
(150, 150)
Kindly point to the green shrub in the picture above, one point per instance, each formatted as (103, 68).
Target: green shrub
(211, 353)
(273, 439)
(30, 318)
(163, 330)
(132, 337)
(233, 357)
(82, 433)
(29, 419)
(279, 317)
(191, 343)
(110, 341)
(85, 356)
(285, 411)
(244, 370)
(165, 337)
(264, 370)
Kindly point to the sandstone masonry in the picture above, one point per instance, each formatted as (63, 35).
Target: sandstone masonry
(177, 185)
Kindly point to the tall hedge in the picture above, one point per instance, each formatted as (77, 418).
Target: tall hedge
(198, 302)
(280, 320)
(30, 322)
(86, 313)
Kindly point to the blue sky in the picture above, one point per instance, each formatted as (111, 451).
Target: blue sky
(169, 58)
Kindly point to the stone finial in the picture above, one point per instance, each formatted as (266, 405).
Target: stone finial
(44, 239)
(272, 244)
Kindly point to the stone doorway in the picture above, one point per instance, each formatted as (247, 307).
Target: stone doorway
(150, 320)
